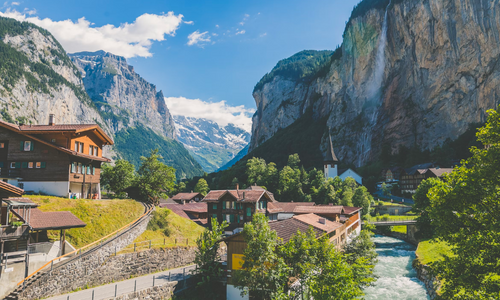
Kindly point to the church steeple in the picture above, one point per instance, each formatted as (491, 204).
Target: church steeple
(331, 162)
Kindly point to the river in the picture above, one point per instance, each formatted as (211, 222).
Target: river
(397, 279)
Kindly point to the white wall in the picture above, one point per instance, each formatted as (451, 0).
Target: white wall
(351, 173)
(232, 293)
(330, 171)
(53, 188)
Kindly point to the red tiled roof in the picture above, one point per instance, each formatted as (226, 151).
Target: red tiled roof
(238, 195)
(314, 220)
(185, 196)
(183, 209)
(289, 227)
(285, 207)
(319, 209)
(62, 127)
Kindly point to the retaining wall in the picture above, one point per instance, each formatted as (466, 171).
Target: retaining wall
(425, 275)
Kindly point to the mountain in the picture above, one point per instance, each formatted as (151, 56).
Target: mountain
(38, 78)
(412, 76)
(210, 144)
(235, 159)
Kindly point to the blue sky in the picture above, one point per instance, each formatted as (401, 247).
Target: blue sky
(243, 40)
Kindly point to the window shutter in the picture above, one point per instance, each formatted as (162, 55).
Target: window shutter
(223, 204)
(1, 164)
(32, 145)
(24, 164)
(18, 165)
(22, 145)
(93, 170)
(42, 165)
(72, 167)
(249, 211)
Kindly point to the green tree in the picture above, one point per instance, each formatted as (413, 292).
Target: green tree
(155, 179)
(207, 259)
(362, 198)
(360, 253)
(386, 190)
(293, 161)
(422, 206)
(347, 197)
(202, 187)
(256, 169)
(465, 212)
(264, 273)
(290, 187)
(180, 187)
(119, 177)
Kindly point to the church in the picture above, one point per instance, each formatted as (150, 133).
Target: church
(331, 168)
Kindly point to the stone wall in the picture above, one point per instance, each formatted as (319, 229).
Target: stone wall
(78, 271)
(161, 292)
(123, 266)
(425, 275)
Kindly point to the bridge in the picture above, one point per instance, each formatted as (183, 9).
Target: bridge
(392, 223)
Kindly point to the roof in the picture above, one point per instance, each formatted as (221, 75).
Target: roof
(185, 210)
(314, 220)
(238, 195)
(40, 220)
(413, 170)
(76, 128)
(439, 172)
(289, 227)
(349, 210)
(185, 196)
(285, 207)
(331, 157)
(319, 209)
(10, 189)
(17, 129)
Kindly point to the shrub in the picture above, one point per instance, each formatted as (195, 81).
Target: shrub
(159, 221)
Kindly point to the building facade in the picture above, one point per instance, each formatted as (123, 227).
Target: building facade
(411, 178)
(58, 160)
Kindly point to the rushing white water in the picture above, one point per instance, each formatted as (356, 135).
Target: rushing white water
(397, 279)
(378, 73)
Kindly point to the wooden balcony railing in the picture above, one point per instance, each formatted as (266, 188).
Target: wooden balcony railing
(11, 232)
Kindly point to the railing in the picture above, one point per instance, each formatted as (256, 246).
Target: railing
(154, 243)
(99, 241)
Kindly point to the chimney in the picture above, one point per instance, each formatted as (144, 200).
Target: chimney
(243, 195)
(237, 186)
(322, 220)
(51, 119)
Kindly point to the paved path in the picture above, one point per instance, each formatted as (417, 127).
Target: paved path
(124, 287)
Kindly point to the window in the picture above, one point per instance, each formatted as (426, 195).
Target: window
(12, 165)
(214, 206)
(96, 151)
(249, 211)
(73, 167)
(214, 216)
(80, 149)
(38, 165)
(91, 150)
(2, 145)
(26, 146)
(228, 204)
(79, 170)
(53, 140)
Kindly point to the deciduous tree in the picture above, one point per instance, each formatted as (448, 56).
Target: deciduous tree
(119, 177)
(202, 187)
(155, 178)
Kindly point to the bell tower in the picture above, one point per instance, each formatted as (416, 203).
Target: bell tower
(331, 162)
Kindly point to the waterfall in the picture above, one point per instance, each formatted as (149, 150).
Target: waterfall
(378, 73)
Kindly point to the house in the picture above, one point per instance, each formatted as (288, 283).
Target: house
(59, 160)
(392, 174)
(182, 198)
(194, 211)
(330, 168)
(237, 207)
(23, 234)
(285, 229)
(277, 211)
(412, 177)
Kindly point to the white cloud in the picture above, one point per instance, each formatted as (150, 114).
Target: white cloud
(263, 34)
(219, 112)
(198, 38)
(15, 3)
(189, 22)
(247, 16)
(240, 32)
(216, 26)
(128, 39)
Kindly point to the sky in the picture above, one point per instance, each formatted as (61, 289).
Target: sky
(206, 56)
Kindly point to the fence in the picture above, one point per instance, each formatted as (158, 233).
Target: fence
(181, 275)
(154, 243)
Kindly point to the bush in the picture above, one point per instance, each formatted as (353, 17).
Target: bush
(159, 221)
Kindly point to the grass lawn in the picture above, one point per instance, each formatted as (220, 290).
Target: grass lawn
(400, 229)
(101, 216)
(429, 251)
(183, 230)
(390, 218)
(391, 203)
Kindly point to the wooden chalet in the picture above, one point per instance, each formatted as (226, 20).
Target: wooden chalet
(59, 160)
(411, 178)
(182, 198)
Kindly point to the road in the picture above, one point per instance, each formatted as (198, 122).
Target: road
(124, 287)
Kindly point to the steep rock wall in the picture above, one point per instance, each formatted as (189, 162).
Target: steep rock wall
(441, 74)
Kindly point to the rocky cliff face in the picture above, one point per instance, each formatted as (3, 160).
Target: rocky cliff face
(123, 97)
(210, 144)
(440, 73)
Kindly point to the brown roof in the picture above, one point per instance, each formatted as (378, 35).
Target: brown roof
(40, 220)
(314, 220)
(17, 129)
(349, 210)
(319, 209)
(238, 195)
(289, 227)
(185, 196)
(285, 207)
(11, 189)
(37, 129)
(439, 172)
(183, 210)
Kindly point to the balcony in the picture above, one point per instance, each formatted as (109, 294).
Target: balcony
(10, 173)
(8, 232)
